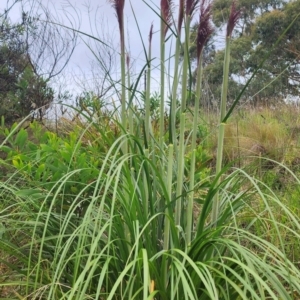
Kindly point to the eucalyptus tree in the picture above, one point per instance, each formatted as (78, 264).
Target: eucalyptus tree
(259, 28)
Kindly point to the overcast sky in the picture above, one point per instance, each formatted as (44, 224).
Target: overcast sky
(99, 15)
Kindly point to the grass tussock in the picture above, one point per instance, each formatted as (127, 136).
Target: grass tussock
(105, 205)
(269, 133)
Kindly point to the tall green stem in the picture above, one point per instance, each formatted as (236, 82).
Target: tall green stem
(174, 95)
(189, 226)
(147, 97)
(162, 84)
(172, 131)
(168, 201)
(216, 202)
(180, 171)
(182, 123)
(146, 196)
(185, 65)
(123, 82)
(130, 113)
(167, 209)
(225, 79)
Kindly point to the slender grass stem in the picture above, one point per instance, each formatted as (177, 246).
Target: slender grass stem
(162, 84)
(215, 207)
(225, 79)
(168, 212)
(123, 82)
(168, 201)
(130, 112)
(172, 126)
(180, 172)
(185, 65)
(189, 226)
(182, 123)
(146, 195)
(147, 92)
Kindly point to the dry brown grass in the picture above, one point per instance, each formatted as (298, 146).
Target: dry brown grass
(270, 133)
(7, 291)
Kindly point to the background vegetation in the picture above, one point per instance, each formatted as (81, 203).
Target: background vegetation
(260, 26)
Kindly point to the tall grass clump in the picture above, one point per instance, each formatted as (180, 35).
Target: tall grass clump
(135, 219)
(232, 21)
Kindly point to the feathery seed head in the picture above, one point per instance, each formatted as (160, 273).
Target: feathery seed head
(119, 7)
(205, 28)
(166, 10)
(190, 6)
(233, 19)
(151, 34)
(127, 60)
(180, 15)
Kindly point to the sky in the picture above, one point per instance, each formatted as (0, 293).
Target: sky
(97, 17)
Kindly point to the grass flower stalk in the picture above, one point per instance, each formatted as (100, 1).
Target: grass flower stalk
(169, 191)
(180, 170)
(147, 120)
(190, 6)
(130, 112)
(189, 11)
(204, 32)
(168, 213)
(119, 8)
(165, 23)
(173, 106)
(232, 21)
(147, 92)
